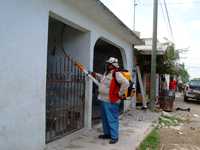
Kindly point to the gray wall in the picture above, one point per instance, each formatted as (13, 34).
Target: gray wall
(23, 45)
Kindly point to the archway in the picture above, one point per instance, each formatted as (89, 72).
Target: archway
(103, 49)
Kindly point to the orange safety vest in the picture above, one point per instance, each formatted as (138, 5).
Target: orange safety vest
(114, 91)
(115, 86)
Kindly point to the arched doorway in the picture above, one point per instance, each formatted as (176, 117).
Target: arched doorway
(103, 49)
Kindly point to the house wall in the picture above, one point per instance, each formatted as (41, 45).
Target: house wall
(23, 45)
(70, 15)
(23, 59)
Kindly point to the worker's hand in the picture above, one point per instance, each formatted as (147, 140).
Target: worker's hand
(92, 73)
(123, 97)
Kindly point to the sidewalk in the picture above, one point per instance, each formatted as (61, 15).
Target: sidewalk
(134, 126)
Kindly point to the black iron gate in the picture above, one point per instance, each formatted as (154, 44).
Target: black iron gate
(65, 97)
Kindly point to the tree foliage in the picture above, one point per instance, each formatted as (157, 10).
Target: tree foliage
(171, 65)
(168, 65)
(183, 73)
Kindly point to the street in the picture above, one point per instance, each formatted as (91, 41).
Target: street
(186, 136)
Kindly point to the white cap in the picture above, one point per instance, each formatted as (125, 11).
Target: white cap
(113, 61)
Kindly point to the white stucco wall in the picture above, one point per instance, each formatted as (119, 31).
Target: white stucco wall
(23, 40)
(23, 45)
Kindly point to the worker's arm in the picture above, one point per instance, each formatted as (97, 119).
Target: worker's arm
(97, 76)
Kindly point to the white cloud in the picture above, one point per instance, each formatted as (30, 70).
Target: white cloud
(195, 25)
(194, 71)
(181, 34)
(182, 5)
(123, 10)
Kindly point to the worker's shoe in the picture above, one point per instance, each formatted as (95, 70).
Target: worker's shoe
(144, 108)
(104, 136)
(113, 141)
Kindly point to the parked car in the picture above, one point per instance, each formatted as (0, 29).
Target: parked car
(192, 90)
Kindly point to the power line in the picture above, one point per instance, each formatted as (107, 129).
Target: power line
(164, 17)
(170, 27)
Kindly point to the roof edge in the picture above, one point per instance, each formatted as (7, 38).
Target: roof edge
(139, 40)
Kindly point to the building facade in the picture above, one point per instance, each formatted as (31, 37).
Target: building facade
(43, 94)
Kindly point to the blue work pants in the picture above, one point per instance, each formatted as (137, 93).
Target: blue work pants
(110, 119)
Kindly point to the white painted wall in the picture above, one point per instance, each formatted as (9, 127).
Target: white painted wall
(77, 44)
(23, 40)
(23, 45)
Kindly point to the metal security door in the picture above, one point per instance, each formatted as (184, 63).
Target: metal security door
(65, 97)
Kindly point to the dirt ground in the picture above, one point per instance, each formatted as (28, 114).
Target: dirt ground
(185, 136)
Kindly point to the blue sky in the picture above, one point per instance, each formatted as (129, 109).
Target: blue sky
(185, 21)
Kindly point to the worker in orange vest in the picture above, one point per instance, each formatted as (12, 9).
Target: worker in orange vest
(111, 89)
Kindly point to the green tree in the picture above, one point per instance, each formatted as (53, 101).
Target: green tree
(172, 66)
(168, 63)
(183, 73)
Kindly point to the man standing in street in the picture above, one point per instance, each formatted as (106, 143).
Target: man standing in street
(111, 90)
(172, 87)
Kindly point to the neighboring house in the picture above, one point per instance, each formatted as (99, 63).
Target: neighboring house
(143, 56)
(43, 95)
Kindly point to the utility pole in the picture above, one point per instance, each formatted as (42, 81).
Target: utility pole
(153, 55)
(134, 4)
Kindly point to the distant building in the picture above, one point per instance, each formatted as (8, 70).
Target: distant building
(144, 61)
